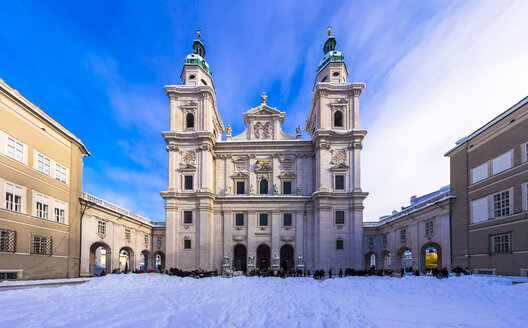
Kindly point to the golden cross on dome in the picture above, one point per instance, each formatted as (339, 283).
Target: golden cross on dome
(198, 33)
(329, 29)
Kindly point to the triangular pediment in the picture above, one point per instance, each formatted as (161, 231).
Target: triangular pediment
(263, 110)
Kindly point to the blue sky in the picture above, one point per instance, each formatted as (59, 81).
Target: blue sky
(435, 71)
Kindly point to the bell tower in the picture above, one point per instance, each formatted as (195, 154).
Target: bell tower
(195, 128)
(333, 124)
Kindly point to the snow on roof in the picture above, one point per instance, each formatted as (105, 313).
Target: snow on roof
(490, 124)
(417, 203)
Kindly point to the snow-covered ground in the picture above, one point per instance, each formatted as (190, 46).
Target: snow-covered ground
(150, 300)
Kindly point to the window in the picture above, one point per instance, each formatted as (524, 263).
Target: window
(187, 217)
(159, 241)
(479, 210)
(339, 244)
(526, 151)
(8, 275)
(101, 227)
(384, 240)
(338, 119)
(263, 220)
(187, 244)
(189, 121)
(340, 182)
(479, 173)
(340, 217)
(43, 164)
(240, 188)
(40, 245)
(7, 240)
(286, 187)
(60, 173)
(146, 239)
(501, 243)
(263, 187)
(42, 206)
(188, 182)
(239, 220)
(403, 234)
(13, 197)
(15, 149)
(429, 228)
(371, 242)
(501, 204)
(60, 211)
(501, 163)
(287, 220)
(128, 234)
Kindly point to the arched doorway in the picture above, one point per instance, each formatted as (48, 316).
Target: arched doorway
(100, 259)
(407, 260)
(159, 257)
(286, 258)
(263, 257)
(263, 187)
(387, 260)
(430, 257)
(240, 259)
(371, 260)
(126, 259)
(144, 259)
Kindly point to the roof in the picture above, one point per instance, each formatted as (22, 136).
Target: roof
(417, 203)
(121, 211)
(488, 125)
(42, 115)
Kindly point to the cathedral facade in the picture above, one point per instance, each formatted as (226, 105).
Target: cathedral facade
(264, 199)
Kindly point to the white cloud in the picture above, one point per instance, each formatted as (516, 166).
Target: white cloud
(468, 65)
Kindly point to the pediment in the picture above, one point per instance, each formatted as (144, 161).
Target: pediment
(263, 110)
(240, 175)
(340, 167)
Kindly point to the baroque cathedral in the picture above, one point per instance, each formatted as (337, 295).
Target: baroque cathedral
(264, 198)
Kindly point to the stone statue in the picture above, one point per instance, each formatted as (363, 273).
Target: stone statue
(251, 190)
(275, 189)
(225, 262)
(298, 130)
(263, 98)
(299, 189)
(229, 131)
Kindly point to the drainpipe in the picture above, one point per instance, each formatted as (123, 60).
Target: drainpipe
(80, 242)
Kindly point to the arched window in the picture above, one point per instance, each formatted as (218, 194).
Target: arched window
(338, 119)
(189, 120)
(263, 187)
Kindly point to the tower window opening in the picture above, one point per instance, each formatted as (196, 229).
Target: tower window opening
(324, 78)
(338, 119)
(203, 81)
(189, 121)
(335, 74)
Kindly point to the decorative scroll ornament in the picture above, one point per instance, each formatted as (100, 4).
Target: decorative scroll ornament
(189, 157)
(338, 156)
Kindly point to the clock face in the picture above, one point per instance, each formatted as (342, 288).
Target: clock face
(188, 157)
(339, 157)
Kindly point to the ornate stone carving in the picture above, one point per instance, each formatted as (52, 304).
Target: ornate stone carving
(172, 147)
(205, 147)
(241, 166)
(263, 131)
(173, 96)
(357, 145)
(189, 157)
(263, 166)
(357, 92)
(263, 98)
(338, 156)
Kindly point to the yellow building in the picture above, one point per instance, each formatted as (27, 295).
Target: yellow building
(40, 186)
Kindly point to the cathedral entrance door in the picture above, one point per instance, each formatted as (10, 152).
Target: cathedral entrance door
(286, 258)
(239, 263)
(263, 257)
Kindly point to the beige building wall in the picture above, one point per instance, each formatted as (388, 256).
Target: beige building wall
(40, 162)
(489, 177)
(383, 239)
(115, 229)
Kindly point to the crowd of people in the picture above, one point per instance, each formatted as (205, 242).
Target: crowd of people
(318, 274)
